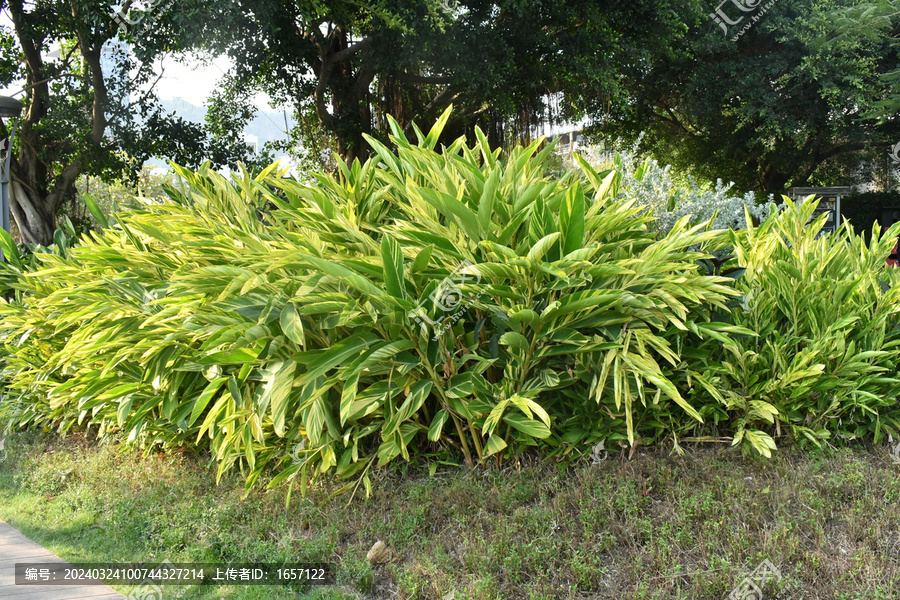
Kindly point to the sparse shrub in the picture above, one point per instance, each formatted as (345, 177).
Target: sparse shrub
(671, 198)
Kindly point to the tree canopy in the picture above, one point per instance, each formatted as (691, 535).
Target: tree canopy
(349, 64)
(90, 105)
(774, 106)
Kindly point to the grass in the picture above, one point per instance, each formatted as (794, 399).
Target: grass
(654, 527)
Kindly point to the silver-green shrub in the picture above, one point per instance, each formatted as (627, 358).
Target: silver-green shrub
(670, 198)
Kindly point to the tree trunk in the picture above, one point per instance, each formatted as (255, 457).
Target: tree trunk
(37, 190)
(772, 180)
(351, 118)
(32, 206)
(345, 85)
(36, 224)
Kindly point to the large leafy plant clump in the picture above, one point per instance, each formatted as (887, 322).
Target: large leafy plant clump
(825, 359)
(423, 299)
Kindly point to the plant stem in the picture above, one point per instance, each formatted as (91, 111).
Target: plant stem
(462, 438)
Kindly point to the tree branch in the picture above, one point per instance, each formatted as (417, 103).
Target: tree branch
(35, 62)
(351, 50)
(424, 79)
(675, 122)
(467, 115)
(820, 157)
(151, 88)
(101, 96)
(445, 98)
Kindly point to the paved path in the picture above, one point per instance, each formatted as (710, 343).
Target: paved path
(15, 547)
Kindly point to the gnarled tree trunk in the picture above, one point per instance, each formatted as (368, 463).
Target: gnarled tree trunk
(34, 209)
(40, 180)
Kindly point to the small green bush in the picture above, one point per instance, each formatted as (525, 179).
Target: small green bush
(671, 197)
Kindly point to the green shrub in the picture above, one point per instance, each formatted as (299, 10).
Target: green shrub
(825, 359)
(454, 298)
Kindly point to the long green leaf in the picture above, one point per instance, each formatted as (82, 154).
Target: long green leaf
(392, 260)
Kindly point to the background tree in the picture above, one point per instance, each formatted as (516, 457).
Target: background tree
(776, 107)
(90, 105)
(874, 21)
(350, 64)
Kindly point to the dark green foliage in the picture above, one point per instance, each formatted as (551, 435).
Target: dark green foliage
(90, 106)
(344, 65)
(863, 210)
(772, 108)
